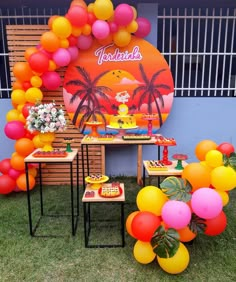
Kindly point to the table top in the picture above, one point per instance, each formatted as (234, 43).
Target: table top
(89, 140)
(97, 198)
(69, 158)
(171, 169)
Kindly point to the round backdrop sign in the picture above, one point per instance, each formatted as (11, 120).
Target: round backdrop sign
(106, 80)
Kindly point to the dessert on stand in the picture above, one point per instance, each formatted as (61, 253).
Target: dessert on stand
(94, 127)
(150, 118)
(96, 179)
(165, 142)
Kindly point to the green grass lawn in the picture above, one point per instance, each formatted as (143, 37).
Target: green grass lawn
(23, 258)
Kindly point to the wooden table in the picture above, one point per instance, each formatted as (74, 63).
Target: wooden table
(96, 198)
(71, 156)
(87, 141)
(171, 171)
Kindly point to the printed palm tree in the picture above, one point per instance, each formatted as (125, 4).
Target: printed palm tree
(150, 92)
(88, 92)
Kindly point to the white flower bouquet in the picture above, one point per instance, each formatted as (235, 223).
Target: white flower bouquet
(46, 118)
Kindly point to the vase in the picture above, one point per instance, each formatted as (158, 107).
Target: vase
(47, 138)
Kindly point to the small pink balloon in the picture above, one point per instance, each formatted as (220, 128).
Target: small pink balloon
(14, 174)
(206, 203)
(123, 14)
(100, 29)
(84, 42)
(176, 214)
(15, 130)
(51, 80)
(74, 52)
(61, 57)
(144, 27)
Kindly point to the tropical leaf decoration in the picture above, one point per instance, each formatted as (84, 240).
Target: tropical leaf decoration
(176, 188)
(165, 243)
(230, 161)
(197, 224)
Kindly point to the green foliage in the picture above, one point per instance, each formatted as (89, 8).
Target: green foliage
(176, 188)
(197, 225)
(165, 243)
(230, 161)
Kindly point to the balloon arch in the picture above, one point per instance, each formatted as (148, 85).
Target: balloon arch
(167, 216)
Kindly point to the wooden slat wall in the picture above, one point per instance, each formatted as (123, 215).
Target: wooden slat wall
(21, 37)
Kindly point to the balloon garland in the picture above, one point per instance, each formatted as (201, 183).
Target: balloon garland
(59, 46)
(182, 208)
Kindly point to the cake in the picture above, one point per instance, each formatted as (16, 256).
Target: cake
(95, 177)
(123, 121)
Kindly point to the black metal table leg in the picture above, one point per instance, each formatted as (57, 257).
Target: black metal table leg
(28, 199)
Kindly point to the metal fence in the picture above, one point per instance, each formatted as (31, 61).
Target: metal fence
(198, 44)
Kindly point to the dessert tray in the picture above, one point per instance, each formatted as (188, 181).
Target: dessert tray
(111, 190)
(164, 141)
(50, 154)
(96, 178)
(136, 137)
(156, 165)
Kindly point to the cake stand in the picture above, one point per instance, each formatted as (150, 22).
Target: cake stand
(150, 120)
(121, 131)
(165, 160)
(96, 184)
(94, 126)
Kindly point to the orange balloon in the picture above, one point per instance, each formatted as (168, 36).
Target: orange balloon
(33, 171)
(51, 19)
(78, 3)
(49, 41)
(129, 222)
(17, 85)
(21, 182)
(22, 71)
(203, 147)
(24, 146)
(29, 51)
(186, 235)
(17, 161)
(198, 175)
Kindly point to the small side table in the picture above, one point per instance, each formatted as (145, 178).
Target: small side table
(96, 198)
(71, 156)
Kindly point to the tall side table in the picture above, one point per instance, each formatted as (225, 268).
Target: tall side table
(71, 156)
(96, 198)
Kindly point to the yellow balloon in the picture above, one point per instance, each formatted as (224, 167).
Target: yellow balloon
(22, 118)
(223, 178)
(64, 43)
(176, 264)
(12, 115)
(214, 158)
(90, 7)
(143, 252)
(152, 199)
(224, 196)
(132, 27)
(36, 81)
(103, 9)
(52, 65)
(76, 31)
(33, 95)
(37, 142)
(18, 96)
(122, 37)
(62, 27)
(86, 29)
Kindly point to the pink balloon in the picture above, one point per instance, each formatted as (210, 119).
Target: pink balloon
(74, 52)
(144, 27)
(14, 130)
(113, 27)
(14, 174)
(100, 29)
(123, 14)
(206, 203)
(5, 166)
(51, 80)
(61, 57)
(176, 214)
(77, 16)
(84, 42)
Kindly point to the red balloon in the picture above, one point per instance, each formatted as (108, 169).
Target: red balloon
(5, 166)
(144, 224)
(77, 15)
(39, 62)
(225, 148)
(25, 109)
(14, 130)
(7, 184)
(216, 225)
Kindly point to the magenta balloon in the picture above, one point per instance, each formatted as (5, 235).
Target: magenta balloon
(123, 14)
(14, 130)
(7, 184)
(74, 52)
(206, 203)
(84, 42)
(113, 27)
(77, 16)
(176, 214)
(14, 174)
(144, 27)
(100, 29)
(51, 80)
(61, 57)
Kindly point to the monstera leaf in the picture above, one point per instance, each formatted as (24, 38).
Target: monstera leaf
(176, 188)
(197, 224)
(230, 161)
(165, 243)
